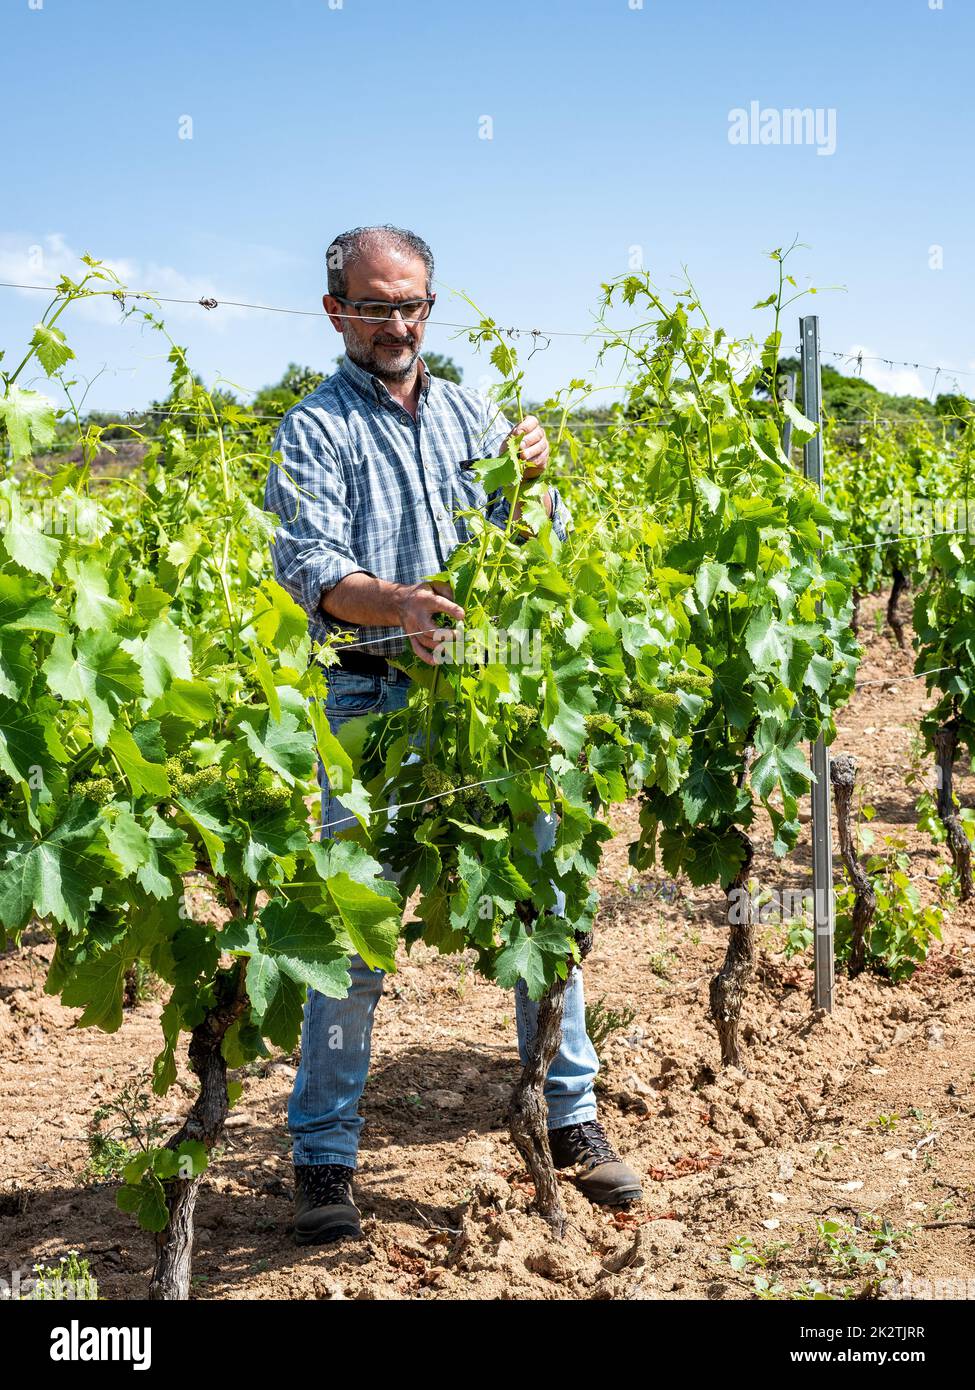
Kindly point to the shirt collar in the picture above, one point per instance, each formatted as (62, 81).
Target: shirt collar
(372, 387)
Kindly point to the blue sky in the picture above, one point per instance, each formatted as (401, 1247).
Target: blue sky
(610, 131)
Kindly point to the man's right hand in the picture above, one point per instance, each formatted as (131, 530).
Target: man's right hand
(362, 598)
(417, 605)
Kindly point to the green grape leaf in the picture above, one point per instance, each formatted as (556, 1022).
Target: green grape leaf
(304, 947)
(99, 673)
(129, 842)
(96, 986)
(147, 1202)
(496, 473)
(280, 744)
(282, 622)
(142, 776)
(28, 546)
(209, 829)
(709, 792)
(606, 765)
(802, 429)
(706, 856)
(533, 957)
(711, 579)
(191, 700)
(370, 919)
(488, 876)
(26, 741)
(95, 609)
(55, 876)
(265, 677)
(169, 856)
(29, 418)
(779, 765)
(51, 347)
(162, 656)
(767, 643)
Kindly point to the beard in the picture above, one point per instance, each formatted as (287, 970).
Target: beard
(381, 364)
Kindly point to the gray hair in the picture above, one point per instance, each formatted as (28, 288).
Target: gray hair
(349, 246)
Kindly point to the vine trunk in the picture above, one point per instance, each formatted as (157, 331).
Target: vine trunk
(205, 1122)
(945, 743)
(894, 619)
(727, 991)
(842, 772)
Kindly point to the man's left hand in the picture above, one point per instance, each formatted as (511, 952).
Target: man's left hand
(533, 450)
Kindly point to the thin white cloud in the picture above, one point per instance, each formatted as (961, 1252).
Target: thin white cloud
(895, 380)
(31, 261)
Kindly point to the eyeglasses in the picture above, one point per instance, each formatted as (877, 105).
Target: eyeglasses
(377, 310)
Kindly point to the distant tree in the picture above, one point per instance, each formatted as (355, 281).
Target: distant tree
(439, 365)
(296, 383)
(851, 398)
(949, 404)
(300, 380)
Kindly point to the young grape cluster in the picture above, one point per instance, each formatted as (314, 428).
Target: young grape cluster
(665, 701)
(473, 801)
(257, 797)
(694, 682)
(96, 789)
(437, 783)
(521, 718)
(647, 701)
(477, 804)
(185, 780)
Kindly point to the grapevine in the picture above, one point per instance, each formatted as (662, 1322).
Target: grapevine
(161, 716)
(159, 728)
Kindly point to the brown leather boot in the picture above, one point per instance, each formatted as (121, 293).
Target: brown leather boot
(324, 1209)
(604, 1177)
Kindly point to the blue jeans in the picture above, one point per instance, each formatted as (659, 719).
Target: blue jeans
(336, 1034)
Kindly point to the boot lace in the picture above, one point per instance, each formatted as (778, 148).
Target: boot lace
(588, 1143)
(325, 1183)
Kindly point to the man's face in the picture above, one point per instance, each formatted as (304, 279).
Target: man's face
(388, 349)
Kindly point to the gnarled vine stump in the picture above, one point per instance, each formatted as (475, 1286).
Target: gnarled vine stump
(528, 1113)
(727, 990)
(945, 743)
(842, 772)
(899, 587)
(205, 1122)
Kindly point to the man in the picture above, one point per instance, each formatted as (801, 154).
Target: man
(366, 494)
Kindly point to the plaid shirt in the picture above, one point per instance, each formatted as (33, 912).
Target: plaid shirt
(363, 487)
